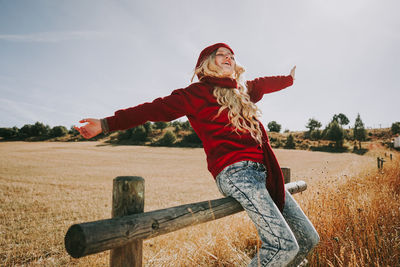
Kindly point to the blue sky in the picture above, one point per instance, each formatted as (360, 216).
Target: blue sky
(61, 61)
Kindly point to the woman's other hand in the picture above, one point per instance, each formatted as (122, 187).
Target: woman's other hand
(91, 129)
(292, 72)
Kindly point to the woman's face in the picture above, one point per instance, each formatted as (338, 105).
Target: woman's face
(226, 61)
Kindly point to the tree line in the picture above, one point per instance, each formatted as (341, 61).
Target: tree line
(334, 131)
(37, 131)
(178, 133)
(182, 134)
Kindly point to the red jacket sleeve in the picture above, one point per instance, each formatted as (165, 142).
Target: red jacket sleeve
(260, 86)
(161, 109)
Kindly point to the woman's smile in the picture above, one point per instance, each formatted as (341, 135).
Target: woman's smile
(225, 60)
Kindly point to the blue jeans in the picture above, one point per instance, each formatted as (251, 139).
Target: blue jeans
(286, 237)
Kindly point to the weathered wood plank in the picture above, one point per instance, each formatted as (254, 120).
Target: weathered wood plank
(93, 237)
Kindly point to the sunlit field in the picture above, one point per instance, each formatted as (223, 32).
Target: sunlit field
(46, 186)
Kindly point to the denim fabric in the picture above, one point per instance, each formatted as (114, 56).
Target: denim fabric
(286, 237)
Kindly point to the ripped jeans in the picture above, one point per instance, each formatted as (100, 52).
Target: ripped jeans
(286, 237)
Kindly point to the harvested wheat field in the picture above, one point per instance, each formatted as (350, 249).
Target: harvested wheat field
(45, 187)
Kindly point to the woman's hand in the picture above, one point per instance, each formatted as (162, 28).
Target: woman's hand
(292, 72)
(91, 129)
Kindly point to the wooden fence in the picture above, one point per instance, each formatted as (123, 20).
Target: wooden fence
(123, 234)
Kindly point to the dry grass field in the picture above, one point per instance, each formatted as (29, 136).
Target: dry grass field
(47, 186)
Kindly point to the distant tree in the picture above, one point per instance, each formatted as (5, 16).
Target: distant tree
(290, 144)
(395, 128)
(186, 125)
(341, 119)
(177, 128)
(138, 134)
(124, 135)
(273, 126)
(9, 133)
(39, 129)
(316, 135)
(26, 131)
(168, 139)
(58, 131)
(175, 123)
(160, 125)
(73, 131)
(335, 133)
(360, 134)
(313, 125)
(148, 126)
(192, 138)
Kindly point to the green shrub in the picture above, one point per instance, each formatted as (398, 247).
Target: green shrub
(177, 128)
(290, 144)
(138, 134)
(186, 125)
(304, 146)
(316, 134)
(73, 131)
(168, 139)
(148, 126)
(9, 133)
(35, 130)
(192, 138)
(395, 128)
(58, 131)
(124, 135)
(335, 133)
(39, 129)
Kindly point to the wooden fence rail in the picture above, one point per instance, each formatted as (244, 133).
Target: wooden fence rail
(123, 233)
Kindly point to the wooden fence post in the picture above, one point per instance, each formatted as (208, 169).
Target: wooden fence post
(119, 232)
(128, 199)
(380, 162)
(286, 174)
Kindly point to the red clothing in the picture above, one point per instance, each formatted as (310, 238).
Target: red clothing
(222, 145)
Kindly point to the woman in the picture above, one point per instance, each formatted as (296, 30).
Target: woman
(223, 113)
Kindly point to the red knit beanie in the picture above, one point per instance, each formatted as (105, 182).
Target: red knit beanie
(209, 50)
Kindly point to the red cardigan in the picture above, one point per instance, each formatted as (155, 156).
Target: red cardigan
(222, 145)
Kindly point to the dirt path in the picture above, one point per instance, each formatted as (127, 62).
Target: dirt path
(316, 166)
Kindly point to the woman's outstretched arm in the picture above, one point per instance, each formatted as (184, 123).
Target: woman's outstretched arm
(265, 85)
(181, 102)
(91, 129)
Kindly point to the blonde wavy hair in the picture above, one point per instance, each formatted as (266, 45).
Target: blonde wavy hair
(242, 113)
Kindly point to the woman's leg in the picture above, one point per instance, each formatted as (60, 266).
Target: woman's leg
(245, 181)
(305, 233)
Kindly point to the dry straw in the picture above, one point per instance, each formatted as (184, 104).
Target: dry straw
(46, 187)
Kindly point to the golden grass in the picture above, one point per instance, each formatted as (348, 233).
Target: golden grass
(358, 219)
(45, 187)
